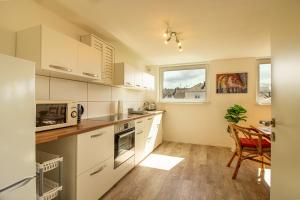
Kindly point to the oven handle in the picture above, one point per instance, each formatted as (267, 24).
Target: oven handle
(126, 134)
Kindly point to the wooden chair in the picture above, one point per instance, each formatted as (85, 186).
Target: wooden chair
(250, 144)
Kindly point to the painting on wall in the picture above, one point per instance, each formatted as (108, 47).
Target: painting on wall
(232, 83)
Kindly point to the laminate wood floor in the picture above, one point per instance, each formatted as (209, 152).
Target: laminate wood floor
(202, 174)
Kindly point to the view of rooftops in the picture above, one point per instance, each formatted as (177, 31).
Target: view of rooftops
(184, 84)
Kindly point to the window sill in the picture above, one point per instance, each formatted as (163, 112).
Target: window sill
(184, 103)
(263, 104)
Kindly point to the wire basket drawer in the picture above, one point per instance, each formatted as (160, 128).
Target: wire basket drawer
(47, 161)
(51, 190)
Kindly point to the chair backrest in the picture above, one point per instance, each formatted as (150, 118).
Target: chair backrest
(239, 132)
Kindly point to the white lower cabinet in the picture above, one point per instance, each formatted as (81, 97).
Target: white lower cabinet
(148, 136)
(139, 140)
(92, 184)
(94, 147)
(89, 158)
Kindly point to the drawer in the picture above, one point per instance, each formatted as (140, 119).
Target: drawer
(92, 184)
(139, 124)
(94, 147)
(123, 169)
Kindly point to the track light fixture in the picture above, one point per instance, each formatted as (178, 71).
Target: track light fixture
(168, 35)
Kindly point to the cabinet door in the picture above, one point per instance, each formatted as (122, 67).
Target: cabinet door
(94, 147)
(139, 140)
(59, 52)
(92, 184)
(89, 61)
(128, 76)
(138, 78)
(148, 81)
(150, 135)
(108, 64)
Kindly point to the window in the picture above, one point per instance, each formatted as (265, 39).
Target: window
(264, 84)
(183, 84)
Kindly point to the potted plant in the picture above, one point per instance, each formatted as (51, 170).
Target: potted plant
(235, 114)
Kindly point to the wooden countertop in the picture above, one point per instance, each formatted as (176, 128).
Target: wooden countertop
(85, 126)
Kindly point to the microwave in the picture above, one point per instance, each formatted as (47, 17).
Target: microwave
(55, 114)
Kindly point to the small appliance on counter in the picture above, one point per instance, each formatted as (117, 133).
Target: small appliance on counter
(55, 114)
(136, 112)
(80, 111)
(149, 106)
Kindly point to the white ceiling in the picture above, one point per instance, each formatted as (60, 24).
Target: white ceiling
(210, 29)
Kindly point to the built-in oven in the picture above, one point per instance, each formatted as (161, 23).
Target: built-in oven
(124, 142)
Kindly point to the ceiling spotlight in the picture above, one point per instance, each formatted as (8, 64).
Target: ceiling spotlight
(169, 34)
(168, 39)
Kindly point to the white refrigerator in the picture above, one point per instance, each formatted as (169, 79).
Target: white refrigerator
(17, 129)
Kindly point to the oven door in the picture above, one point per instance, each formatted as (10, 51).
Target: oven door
(124, 146)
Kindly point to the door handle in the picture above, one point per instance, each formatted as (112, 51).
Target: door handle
(90, 74)
(18, 184)
(61, 68)
(98, 170)
(268, 123)
(96, 135)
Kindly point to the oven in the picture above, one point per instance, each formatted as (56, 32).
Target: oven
(124, 142)
(55, 114)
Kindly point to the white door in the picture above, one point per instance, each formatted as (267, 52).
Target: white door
(285, 48)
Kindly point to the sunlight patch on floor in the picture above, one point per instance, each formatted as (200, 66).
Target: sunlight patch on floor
(267, 176)
(162, 162)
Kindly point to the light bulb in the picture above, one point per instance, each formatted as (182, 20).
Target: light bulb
(165, 35)
(179, 43)
(180, 49)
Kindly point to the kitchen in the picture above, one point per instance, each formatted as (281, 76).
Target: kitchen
(126, 100)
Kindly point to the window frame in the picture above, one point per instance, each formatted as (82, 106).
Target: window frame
(259, 62)
(178, 68)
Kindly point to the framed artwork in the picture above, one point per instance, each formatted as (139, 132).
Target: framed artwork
(232, 83)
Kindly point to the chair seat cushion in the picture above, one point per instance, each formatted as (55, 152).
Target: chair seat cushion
(253, 143)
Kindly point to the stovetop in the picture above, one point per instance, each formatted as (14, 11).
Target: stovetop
(112, 118)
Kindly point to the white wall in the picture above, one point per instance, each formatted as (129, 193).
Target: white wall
(96, 99)
(17, 15)
(205, 123)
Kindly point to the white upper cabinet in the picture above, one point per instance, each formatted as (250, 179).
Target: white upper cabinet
(129, 76)
(57, 54)
(89, 61)
(108, 56)
(124, 75)
(138, 78)
(148, 81)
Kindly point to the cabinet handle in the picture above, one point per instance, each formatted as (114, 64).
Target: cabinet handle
(97, 171)
(137, 85)
(139, 122)
(96, 135)
(150, 118)
(90, 74)
(127, 83)
(140, 132)
(66, 69)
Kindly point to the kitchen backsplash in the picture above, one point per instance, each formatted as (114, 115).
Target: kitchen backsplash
(96, 99)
